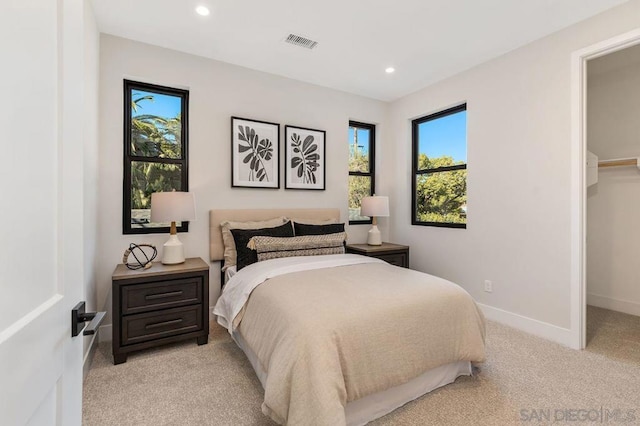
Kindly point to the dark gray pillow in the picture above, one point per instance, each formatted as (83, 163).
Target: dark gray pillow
(241, 237)
(331, 228)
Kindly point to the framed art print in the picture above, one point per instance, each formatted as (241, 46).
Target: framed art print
(255, 153)
(304, 158)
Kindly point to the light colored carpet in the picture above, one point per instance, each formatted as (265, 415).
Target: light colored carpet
(613, 334)
(214, 384)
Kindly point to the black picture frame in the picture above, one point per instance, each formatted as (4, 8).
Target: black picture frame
(305, 158)
(255, 154)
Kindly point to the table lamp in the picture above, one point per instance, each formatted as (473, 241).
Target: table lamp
(172, 207)
(374, 206)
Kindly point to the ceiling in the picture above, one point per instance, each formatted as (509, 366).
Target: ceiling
(424, 40)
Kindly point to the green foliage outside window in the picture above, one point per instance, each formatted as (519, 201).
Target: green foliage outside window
(147, 178)
(441, 196)
(359, 186)
(158, 137)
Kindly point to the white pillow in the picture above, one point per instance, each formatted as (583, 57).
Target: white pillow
(313, 221)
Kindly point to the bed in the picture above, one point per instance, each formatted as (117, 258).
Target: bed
(343, 339)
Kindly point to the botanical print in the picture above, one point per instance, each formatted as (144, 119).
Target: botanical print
(305, 161)
(305, 158)
(255, 153)
(260, 150)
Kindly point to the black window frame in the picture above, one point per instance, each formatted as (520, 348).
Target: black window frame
(415, 124)
(372, 163)
(129, 86)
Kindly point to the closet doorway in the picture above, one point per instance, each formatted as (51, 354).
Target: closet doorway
(613, 204)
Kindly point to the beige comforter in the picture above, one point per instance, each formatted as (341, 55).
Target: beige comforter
(329, 336)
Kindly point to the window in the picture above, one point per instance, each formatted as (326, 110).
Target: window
(362, 144)
(440, 169)
(155, 151)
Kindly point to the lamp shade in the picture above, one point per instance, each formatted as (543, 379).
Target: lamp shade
(172, 207)
(375, 206)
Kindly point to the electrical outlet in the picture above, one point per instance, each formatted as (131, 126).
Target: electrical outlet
(488, 286)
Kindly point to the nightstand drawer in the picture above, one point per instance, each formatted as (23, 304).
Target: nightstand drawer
(394, 259)
(150, 326)
(161, 295)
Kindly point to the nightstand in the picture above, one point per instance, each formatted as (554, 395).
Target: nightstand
(394, 254)
(162, 304)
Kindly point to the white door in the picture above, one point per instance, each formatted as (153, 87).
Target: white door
(41, 51)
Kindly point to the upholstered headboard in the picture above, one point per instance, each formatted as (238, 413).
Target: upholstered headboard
(216, 247)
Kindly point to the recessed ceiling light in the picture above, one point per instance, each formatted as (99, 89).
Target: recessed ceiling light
(202, 10)
(389, 70)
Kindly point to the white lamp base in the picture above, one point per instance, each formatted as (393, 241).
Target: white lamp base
(172, 251)
(374, 238)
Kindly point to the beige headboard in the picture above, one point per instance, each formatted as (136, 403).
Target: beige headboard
(216, 248)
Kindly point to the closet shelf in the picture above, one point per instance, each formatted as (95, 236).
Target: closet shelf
(619, 162)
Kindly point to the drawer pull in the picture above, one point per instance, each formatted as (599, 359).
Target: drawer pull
(163, 323)
(163, 295)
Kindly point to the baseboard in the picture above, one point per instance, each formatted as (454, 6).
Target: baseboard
(105, 333)
(88, 356)
(624, 306)
(528, 325)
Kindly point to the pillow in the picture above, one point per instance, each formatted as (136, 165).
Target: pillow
(312, 221)
(308, 245)
(241, 238)
(303, 229)
(229, 243)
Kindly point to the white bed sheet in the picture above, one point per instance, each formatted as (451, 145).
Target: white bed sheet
(237, 290)
(230, 272)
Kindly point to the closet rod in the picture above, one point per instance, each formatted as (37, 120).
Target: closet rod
(619, 162)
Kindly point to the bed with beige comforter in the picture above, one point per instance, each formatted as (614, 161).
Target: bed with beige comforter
(328, 330)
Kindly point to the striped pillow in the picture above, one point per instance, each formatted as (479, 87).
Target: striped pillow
(308, 245)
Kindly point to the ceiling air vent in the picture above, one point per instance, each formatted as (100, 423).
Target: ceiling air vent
(301, 41)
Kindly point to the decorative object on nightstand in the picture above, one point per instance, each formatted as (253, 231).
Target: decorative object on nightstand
(143, 260)
(394, 254)
(172, 207)
(164, 304)
(374, 207)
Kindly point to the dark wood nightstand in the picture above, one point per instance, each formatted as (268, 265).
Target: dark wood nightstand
(162, 304)
(394, 254)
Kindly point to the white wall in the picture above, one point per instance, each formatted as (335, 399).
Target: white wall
(217, 91)
(613, 204)
(519, 177)
(90, 154)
